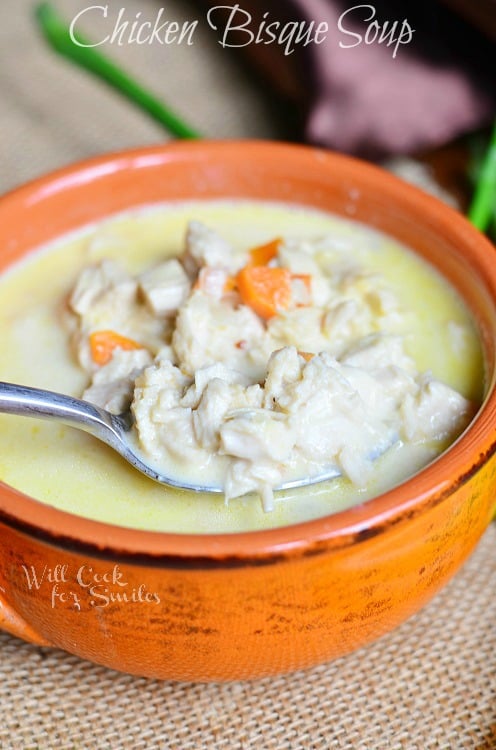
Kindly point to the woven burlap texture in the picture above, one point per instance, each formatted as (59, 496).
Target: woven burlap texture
(430, 684)
(52, 113)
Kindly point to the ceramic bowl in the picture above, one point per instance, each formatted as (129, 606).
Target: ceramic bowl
(252, 604)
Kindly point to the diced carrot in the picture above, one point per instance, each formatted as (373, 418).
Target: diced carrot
(104, 343)
(263, 254)
(230, 284)
(306, 355)
(266, 290)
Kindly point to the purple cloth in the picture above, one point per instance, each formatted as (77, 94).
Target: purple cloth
(366, 101)
(376, 100)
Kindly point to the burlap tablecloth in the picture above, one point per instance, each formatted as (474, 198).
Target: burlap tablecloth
(430, 684)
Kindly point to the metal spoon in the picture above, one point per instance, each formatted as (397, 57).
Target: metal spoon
(112, 429)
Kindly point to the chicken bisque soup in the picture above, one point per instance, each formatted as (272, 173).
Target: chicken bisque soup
(255, 343)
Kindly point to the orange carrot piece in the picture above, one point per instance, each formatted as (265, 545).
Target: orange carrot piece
(307, 356)
(266, 290)
(263, 254)
(103, 344)
(230, 285)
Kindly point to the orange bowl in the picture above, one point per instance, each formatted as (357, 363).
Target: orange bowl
(235, 606)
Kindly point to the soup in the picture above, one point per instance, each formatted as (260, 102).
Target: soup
(74, 472)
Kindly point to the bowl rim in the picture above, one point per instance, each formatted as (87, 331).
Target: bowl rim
(423, 490)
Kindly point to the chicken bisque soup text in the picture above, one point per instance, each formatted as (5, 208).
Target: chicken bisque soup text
(256, 343)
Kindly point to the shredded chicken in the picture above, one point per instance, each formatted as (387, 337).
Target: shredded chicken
(323, 382)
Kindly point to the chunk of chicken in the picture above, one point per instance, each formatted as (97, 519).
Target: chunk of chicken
(105, 285)
(204, 247)
(210, 330)
(165, 287)
(112, 385)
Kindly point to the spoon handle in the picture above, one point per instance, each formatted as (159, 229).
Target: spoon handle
(111, 429)
(25, 401)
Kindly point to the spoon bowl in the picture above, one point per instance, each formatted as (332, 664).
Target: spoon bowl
(113, 429)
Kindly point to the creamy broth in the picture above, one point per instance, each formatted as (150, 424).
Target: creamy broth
(74, 472)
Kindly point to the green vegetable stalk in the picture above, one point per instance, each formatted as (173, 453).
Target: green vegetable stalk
(57, 34)
(483, 207)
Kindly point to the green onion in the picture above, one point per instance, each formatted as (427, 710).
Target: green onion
(482, 208)
(57, 34)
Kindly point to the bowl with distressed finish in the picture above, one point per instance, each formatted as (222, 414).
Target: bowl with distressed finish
(239, 606)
